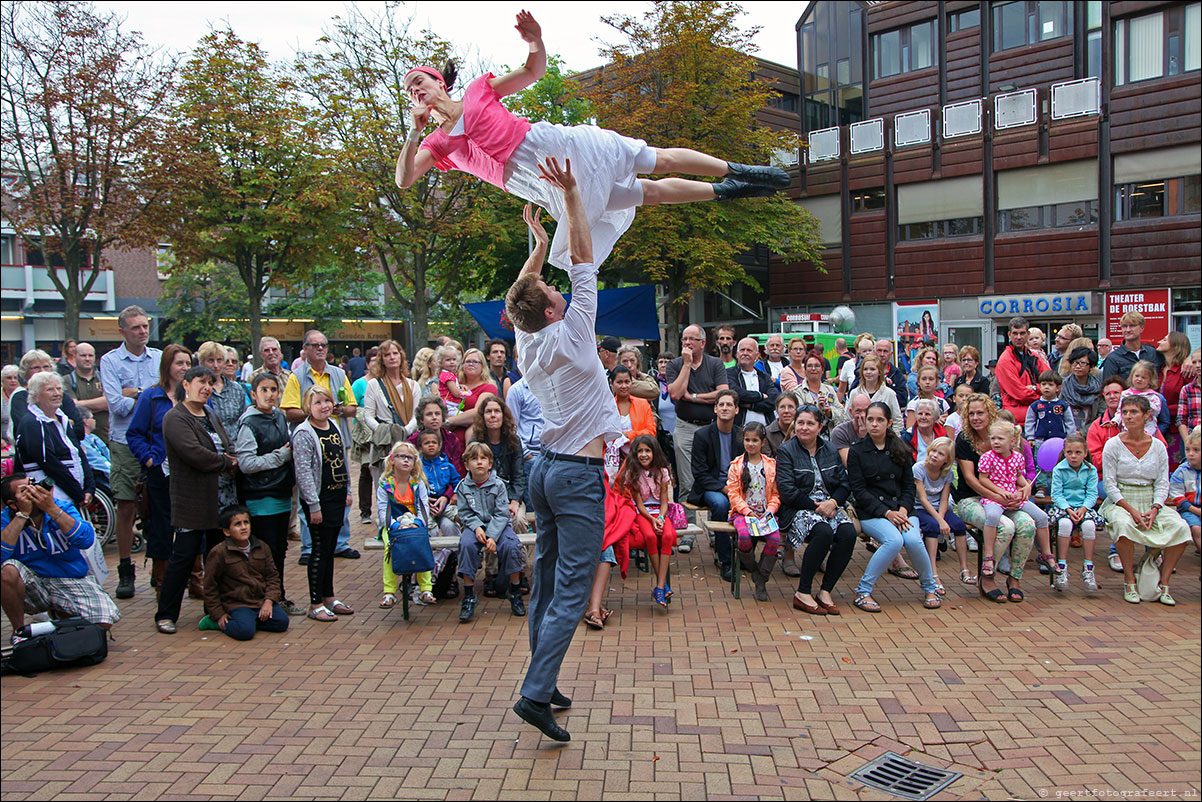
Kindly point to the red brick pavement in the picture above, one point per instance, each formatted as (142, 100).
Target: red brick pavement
(718, 698)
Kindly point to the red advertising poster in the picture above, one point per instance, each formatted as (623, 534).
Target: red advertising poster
(1152, 304)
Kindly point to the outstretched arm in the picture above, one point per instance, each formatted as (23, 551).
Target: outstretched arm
(413, 163)
(580, 241)
(536, 63)
(534, 263)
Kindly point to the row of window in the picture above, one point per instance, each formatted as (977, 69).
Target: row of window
(1164, 43)
(1165, 198)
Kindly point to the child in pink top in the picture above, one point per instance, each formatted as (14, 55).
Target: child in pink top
(480, 136)
(1001, 472)
(448, 378)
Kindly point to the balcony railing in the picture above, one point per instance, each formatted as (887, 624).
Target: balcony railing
(32, 283)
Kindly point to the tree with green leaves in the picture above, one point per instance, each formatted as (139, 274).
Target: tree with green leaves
(438, 237)
(81, 131)
(204, 301)
(253, 187)
(682, 77)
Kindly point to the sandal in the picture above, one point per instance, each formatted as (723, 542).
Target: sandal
(426, 597)
(594, 621)
(987, 567)
(940, 589)
(667, 593)
(904, 573)
(967, 578)
(605, 614)
(932, 602)
(388, 601)
(1014, 594)
(165, 625)
(338, 608)
(322, 613)
(867, 604)
(658, 595)
(1131, 594)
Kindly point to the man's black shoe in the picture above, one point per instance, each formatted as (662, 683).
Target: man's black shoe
(759, 174)
(731, 188)
(347, 554)
(516, 605)
(303, 560)
(539, 715)
(125, 580)
(467, 609)
(559, 700)
(725, 572)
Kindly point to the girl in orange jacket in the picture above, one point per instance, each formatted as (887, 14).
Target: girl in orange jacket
(754, 500)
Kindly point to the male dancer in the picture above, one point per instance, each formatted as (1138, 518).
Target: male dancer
(557, 355)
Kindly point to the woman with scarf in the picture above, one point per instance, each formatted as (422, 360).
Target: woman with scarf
(1082, 385)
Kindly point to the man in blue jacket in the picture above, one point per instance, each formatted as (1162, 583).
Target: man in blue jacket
(44, 567)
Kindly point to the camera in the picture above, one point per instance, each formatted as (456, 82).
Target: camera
(46, 482)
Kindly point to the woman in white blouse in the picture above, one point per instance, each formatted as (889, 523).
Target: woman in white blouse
(390, 399)
(872, 384)
(1135, 473)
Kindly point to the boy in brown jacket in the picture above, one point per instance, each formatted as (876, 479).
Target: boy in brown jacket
(242, 586)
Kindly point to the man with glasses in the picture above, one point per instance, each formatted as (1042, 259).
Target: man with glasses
(316, 370)
(1132, 349)
(273, 362)
(1064, 337)
(125, 372)
(694, 380)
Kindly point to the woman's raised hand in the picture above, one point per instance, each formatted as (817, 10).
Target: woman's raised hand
(420, 114)
(527, 27)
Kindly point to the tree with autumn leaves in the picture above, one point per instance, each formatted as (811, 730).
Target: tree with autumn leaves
(82, 133)
(683, 77)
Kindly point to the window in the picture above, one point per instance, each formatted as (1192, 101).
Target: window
(963, 20)
(827, 209)
(1093, 39)
(1060, 215)
(867, 200)
(831, 60)
(1165, 198)
(940, 229)
(6, 250)
(1166, 43)
(1026, 22)
(904, 50)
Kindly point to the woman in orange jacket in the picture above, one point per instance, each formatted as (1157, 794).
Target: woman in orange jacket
(635, 413)
(754, 500)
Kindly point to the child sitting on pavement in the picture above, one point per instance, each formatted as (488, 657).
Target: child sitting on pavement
(487, 526)
(242, 587)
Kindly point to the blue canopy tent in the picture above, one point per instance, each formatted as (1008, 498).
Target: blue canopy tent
(625, 312)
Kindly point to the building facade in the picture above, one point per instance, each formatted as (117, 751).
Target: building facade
(978, 160)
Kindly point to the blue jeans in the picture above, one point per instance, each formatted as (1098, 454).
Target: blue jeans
(344, 534)
(892, 540)
(569, 513)
(244, 621)
(719, 506)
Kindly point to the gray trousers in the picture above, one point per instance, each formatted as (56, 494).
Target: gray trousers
(682, 444)
(569, 513)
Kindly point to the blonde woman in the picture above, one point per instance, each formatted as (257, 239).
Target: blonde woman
(390, 399)
(425, 372)
(473, 382)
(229, 399)
(402, 495)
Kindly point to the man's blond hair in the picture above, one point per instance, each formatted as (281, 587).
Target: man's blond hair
(526, 304)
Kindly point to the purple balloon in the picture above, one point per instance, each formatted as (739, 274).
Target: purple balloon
(1049, 453)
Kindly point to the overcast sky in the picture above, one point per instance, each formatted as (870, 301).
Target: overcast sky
(569, 29)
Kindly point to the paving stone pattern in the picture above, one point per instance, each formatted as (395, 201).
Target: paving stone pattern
(718, 698)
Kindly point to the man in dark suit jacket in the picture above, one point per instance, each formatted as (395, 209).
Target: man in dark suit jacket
(714, 447)
(757, 392)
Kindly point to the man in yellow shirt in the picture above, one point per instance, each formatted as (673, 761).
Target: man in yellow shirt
(316, 370)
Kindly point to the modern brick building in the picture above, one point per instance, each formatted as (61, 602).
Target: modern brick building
(1034, 156)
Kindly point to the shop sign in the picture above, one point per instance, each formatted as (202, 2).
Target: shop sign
(1152, 304)
(1076, 303)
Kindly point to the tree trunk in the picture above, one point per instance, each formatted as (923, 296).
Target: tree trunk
(256, 325)
(421, 303)
(72, 303)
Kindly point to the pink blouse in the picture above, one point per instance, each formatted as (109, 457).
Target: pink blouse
(1002, 472)
(491, 134)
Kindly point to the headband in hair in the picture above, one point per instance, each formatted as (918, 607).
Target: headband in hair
(435, 74)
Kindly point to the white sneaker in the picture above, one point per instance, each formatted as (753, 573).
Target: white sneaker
(686, 544)
(951, 543)
(972, 543)
(1060, 580)
(1115, 563)
(1091, 583)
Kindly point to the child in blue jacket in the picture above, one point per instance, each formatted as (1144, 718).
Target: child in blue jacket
(1074, 494)
(442, 479)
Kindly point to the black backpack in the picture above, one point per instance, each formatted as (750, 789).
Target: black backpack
(74, 642)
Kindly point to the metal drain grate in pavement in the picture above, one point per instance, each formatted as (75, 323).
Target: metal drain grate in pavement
(896, 775)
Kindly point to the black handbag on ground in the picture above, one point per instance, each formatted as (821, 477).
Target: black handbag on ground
(74, 642)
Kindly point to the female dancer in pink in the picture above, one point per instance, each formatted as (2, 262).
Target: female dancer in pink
(480, 136)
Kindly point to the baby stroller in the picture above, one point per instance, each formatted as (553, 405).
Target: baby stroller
(102, 513)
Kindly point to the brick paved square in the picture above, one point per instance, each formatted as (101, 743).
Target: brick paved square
(717, 698)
